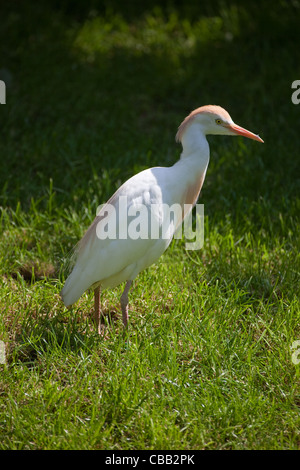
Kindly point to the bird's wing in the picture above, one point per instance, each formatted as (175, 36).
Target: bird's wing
(100, 258)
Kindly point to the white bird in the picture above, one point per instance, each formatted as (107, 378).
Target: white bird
(106, 261)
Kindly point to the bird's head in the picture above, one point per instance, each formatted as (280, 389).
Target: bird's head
(213, 119)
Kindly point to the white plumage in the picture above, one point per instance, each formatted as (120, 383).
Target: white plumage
(107, 262)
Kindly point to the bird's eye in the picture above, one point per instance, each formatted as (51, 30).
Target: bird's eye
(218, 121)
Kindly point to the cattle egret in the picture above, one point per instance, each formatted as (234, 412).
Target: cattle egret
(107, 261)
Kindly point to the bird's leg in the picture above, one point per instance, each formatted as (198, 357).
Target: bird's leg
(124, 303)
(97, 311)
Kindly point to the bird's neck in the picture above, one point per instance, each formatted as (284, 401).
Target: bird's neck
(194, 144)
(191, 168)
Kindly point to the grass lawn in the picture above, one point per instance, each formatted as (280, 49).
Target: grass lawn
(93, 96)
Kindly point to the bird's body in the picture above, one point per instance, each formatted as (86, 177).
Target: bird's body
(122, 259)
(109, 253)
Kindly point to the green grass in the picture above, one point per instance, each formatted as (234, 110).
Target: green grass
(94, 96)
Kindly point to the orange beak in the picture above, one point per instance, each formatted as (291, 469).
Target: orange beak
(241, 131)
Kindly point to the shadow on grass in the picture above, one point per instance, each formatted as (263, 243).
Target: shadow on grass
(41, 337)
(75, 114)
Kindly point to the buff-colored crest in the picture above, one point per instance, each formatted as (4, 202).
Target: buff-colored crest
(210, 108)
